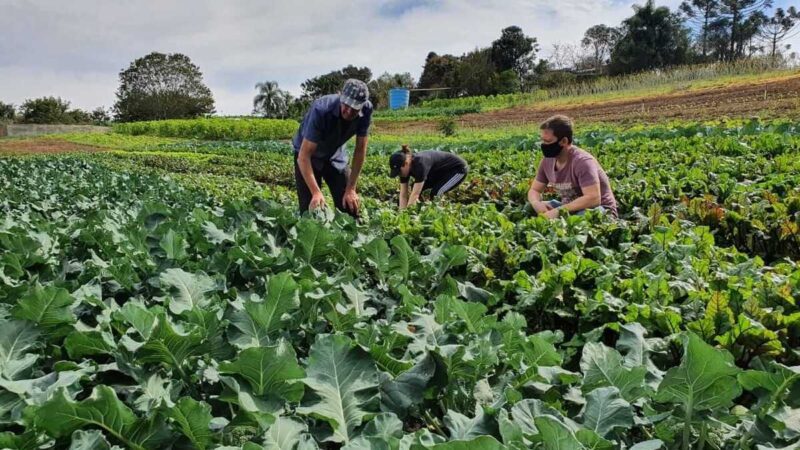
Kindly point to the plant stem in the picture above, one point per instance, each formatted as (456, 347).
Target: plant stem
(687, 425)
(702, 443)
(434, 423)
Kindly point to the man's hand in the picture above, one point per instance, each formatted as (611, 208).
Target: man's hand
(542, 207)
(552, 213)
(317, 201)
(351, 200)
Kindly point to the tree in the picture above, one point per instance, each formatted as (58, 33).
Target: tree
(162, 86)
(601, 39)
(100, 116)
(567, 56)
(780, 27)
(739, 23)
(332, 82)
(653, 37)
(298, 107)
(507, 82)
(7, 112)
(271, 101)
(475, 73)
(52, 110)
(379, 88)
(514, 51)
(78, 116)
(439, 72)
(45, 110)
(702, 13)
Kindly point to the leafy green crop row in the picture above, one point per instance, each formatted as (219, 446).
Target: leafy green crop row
(740, 179)
(213, 129)
(138, 312)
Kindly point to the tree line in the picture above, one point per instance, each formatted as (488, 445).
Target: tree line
(654, 37)
(170, 86)
(52, 110)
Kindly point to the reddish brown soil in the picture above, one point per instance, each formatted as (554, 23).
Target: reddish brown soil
(42, 146)
(765, 99)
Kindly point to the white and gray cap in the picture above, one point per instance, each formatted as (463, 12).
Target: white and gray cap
(354, 94)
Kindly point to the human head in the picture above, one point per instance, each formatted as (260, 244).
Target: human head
(354, 96)
(400, 162)
(556, 135)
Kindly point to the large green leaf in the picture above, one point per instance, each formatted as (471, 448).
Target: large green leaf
(345, 380)
(776, 382)
(139, 316)
(29, 440)
(408, 389)
(604, 366)
(264, 411)
(156, 391)
(481, 443)
(16, 339)
(193, 418)
(168, 346)
(653, 444)
(538, 352)
(381, 433)
(189, 290)
(785, 422)
(174, 245)
(285, 434)
(377, 253)
(606, 410)
(404, 261)
(61, 416)
(524, 413)
(358, 301)
(88, 343)
(472, 314)
(463, 428)
(47, 306)
(555, 435)
(706, 378)
(448, 257)
(261, 320)
(271, 371)
(215, 235)
(313, 241)
(88, 440)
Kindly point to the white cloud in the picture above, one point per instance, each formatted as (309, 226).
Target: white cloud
(76, 49)
(85, 90)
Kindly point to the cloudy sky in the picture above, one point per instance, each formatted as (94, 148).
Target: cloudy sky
(76, 49)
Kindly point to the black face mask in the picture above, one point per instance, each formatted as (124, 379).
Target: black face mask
(551, 150)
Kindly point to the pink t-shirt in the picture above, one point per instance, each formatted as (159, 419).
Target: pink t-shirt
(581, 170)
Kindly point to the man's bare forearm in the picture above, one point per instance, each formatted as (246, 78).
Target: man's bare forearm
(403, 195)
(359, 156)
(583, 202)
(304, 163)
(534, 196)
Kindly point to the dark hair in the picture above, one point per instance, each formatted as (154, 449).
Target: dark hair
(561, 126)
(406, 150)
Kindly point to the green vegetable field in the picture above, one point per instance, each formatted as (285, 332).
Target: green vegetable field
(162, 292)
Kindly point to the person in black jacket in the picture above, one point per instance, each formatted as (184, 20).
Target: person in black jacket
(439, 172)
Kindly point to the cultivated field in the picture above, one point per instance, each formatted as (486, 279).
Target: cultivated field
(158, 289)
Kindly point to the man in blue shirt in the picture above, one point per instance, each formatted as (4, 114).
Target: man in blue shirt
(319, 148)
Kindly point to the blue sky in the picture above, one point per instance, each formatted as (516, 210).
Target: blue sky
(76, 49)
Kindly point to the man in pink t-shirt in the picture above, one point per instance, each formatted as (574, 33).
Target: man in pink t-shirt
(574, 174)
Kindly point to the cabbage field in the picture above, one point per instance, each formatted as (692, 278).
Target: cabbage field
(164, 293)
